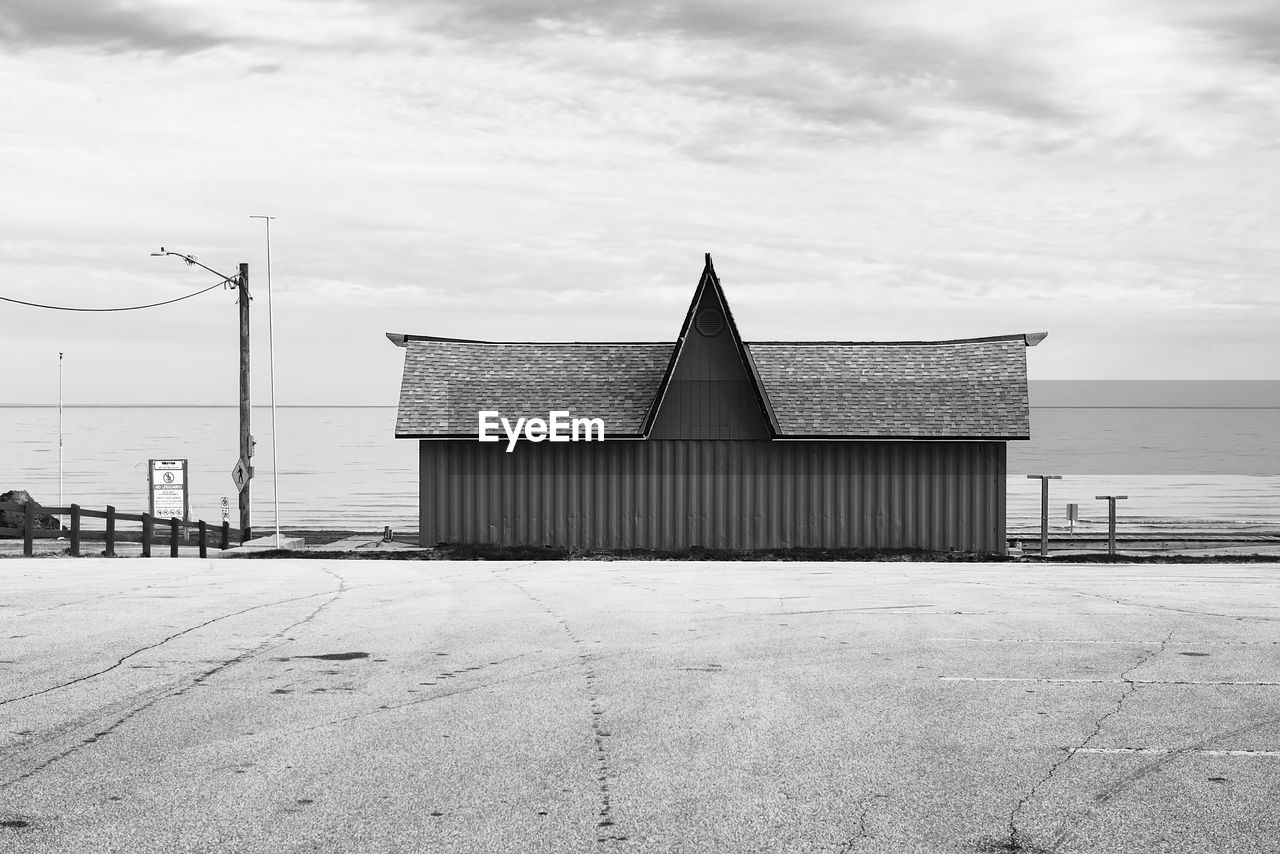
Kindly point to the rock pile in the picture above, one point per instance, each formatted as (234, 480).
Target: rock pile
(13, 518)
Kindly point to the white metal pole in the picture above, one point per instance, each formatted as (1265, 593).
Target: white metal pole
(60, 430)
(271, 364)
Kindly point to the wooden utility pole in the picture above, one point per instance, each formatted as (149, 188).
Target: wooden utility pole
(246, 439)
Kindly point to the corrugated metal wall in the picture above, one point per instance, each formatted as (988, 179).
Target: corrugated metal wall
(673, 494)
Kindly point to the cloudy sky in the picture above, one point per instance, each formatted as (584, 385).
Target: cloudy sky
(555, 169)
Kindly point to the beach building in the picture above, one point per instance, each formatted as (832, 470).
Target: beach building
(714, 441)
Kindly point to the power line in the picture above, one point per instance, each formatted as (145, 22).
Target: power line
(122, 308)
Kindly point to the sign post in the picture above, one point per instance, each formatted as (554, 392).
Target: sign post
(1044, 509)
(1111, 520)
(169, 490)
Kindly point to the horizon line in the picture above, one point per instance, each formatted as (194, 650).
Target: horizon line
(395, 405)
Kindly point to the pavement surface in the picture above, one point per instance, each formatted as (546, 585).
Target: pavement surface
(385, 706)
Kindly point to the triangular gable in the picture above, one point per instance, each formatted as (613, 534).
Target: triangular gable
(711, 389)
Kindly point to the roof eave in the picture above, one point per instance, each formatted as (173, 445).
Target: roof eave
(474, 437)
(888, 437)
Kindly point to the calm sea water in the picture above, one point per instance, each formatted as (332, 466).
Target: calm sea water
(340, 467)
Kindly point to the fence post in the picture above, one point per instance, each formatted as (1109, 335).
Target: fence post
(147, 523)
(110, 550)
(204, 540)
(28, 528)
(226, 535)
(75, 530)
(173, 537)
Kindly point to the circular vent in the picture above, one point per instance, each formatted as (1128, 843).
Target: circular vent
(709, 322)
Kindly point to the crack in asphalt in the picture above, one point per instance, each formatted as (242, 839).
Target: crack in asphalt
(1015, 837)
(862, 833)
(197, 681)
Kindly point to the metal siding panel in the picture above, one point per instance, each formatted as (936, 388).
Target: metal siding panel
(834, 504)
(809, 481)
(953, 518)
(723, 493)
(673, 497)
(426, 488)
(785, 503)
(1000, 450)
(843, 507)
(504, 497)
(752, 489)
(589, 509)
(490, 501)
(867, 498)
(910, 501)
(973, 489)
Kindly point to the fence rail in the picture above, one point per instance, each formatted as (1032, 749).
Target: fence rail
(76, 534)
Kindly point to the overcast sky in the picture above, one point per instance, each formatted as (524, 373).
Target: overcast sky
(555, 170)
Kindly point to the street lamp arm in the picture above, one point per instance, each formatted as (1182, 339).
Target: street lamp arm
(240, 281)
(234, 281)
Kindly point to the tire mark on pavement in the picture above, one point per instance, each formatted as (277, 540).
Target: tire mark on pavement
(1110, 792)
(110, 595)
(164, 641)
(1016, 838)
(599, 732)
(675, 594)
(197, 681)
(1098, 642)
(443, 695)
(1131, 604)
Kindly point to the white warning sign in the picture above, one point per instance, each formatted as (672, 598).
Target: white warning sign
(169, 489)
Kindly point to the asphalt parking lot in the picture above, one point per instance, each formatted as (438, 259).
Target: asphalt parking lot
(345, 706)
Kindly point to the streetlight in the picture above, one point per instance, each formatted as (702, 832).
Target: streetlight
(244, 472)
(271, 363)
(60, 434)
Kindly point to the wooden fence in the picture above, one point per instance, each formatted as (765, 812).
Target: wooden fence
(147, 536)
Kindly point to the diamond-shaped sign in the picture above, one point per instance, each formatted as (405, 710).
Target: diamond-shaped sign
(241, 474)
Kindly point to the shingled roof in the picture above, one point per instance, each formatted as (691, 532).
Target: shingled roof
(447, 382)
(964, 389)
(918, 390)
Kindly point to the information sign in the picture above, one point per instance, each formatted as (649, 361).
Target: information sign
(168, 487)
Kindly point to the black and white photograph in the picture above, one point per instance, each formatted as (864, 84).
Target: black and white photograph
(688, 428)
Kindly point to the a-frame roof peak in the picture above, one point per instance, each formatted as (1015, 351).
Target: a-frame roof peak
(709, 294)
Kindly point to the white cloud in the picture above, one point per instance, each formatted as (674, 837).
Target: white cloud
(557, 168)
